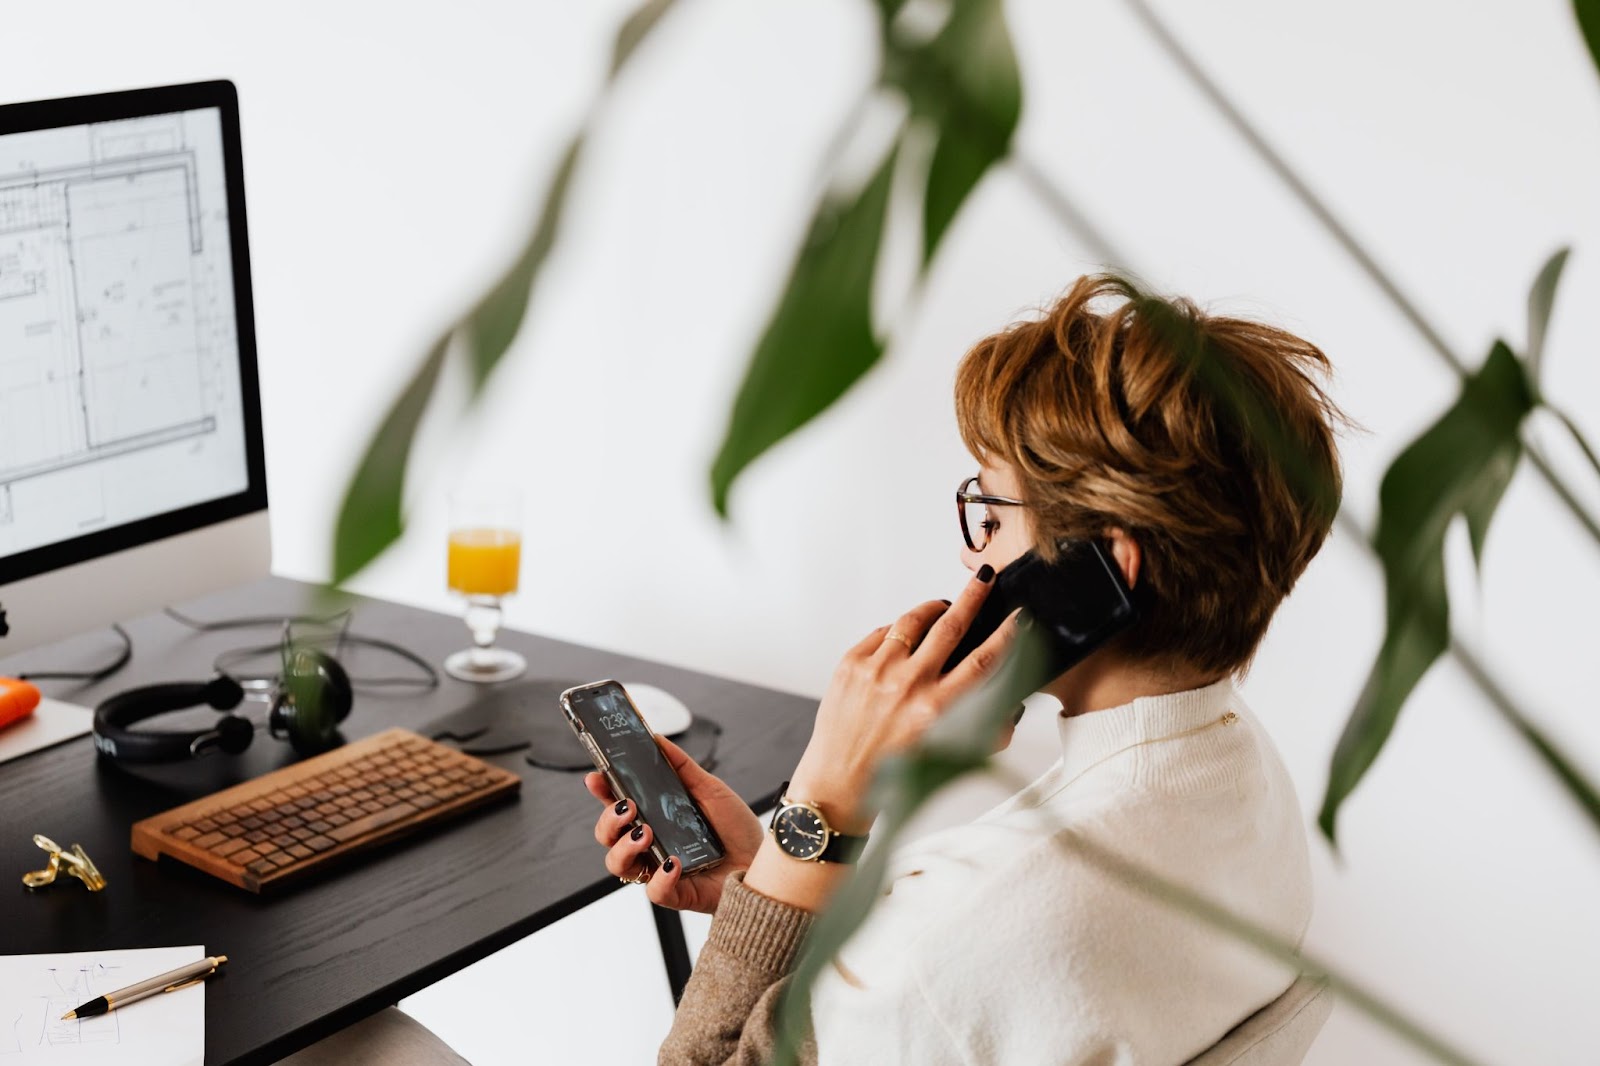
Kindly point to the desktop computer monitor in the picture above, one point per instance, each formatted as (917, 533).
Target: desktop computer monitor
(131, 463)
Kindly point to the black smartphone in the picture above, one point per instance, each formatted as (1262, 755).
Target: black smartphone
(624, 748)
(1078, 602)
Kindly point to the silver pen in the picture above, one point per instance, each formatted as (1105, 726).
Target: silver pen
(171, 981)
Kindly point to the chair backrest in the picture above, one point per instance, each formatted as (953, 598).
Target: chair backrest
(1278, 1034)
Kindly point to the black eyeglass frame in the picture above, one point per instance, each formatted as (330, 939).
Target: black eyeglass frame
(963, 497)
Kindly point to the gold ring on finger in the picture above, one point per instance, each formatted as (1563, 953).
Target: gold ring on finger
(639, 879)
(895, 634)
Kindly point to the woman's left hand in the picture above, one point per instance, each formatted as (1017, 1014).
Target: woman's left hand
(885, 694)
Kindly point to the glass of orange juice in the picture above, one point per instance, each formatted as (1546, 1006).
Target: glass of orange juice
(484, 561)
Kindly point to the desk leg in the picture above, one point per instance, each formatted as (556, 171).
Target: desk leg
(674, 949)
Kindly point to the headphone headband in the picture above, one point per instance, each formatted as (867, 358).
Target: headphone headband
(113, 717)
(314, 696)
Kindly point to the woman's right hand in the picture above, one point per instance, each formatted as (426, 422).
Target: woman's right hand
(628, 843)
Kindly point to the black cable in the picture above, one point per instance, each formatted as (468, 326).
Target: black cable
(251, 622)
(227, 661)
(238, 656)
(88, 677)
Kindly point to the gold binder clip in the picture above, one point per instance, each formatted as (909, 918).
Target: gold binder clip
(74, 862)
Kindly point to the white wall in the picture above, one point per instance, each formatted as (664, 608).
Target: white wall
(394, 153)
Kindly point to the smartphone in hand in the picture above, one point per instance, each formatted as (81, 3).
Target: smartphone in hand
(624, 748)
(1078, 603)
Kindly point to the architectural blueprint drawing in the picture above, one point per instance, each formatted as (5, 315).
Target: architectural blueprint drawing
(118, 343)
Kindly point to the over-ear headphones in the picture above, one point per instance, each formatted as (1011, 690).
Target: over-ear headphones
(313, 695)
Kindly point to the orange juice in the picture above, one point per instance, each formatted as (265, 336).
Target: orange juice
(485, 562)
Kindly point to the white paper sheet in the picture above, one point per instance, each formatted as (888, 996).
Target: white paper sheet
(51, 723)
(168, 1029)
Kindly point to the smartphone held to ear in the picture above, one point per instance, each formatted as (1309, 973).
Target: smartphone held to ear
(1076, 604)
(624, 748)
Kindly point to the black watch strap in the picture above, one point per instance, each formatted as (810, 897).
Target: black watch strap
(843, 849)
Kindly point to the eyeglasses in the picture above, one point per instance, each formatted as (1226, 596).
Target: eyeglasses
(973, 507)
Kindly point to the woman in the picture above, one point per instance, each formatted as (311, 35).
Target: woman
(1200, 451)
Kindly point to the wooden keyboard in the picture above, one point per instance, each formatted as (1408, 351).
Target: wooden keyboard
(303, 817)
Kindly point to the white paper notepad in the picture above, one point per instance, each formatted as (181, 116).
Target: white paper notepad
(50, 724)
(36, 990)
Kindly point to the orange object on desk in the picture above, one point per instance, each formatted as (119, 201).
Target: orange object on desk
(17, 700)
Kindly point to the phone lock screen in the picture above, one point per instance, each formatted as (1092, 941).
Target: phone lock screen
(641, 770)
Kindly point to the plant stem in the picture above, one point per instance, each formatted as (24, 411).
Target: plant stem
(1577, 435)
(1340, 233)
(1049, 193)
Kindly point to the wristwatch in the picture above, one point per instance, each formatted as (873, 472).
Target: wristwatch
(802, 832)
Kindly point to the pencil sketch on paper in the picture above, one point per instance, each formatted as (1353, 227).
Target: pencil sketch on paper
(34, 1022)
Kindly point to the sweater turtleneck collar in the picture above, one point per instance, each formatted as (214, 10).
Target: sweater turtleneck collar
(1093, 736)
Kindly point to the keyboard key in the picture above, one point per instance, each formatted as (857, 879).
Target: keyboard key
(372, 823)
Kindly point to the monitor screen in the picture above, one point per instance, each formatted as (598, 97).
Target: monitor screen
(128, 394)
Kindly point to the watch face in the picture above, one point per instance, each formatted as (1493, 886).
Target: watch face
(800, 832)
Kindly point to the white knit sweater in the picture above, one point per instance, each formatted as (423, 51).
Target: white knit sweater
(994, 944)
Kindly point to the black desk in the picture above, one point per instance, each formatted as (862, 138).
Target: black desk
(314, 959)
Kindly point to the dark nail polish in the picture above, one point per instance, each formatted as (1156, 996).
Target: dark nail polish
(945, 602)
(986, 573)
(1024, 622)
(621, 807)
(638, 832)
(667, 866)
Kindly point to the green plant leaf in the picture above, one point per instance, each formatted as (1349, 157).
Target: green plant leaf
(635, 29)
(1483, 497)
(965, 82)
(1588, 12)
(820, 340)
(1460, 465)
(1541, 300)
(370, 518)
(494, 322)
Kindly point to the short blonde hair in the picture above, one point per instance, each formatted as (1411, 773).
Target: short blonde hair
(1207, 439)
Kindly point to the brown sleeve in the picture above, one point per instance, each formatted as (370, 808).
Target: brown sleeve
(729, 1011)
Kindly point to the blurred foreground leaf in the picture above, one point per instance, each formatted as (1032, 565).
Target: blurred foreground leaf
(820, 340)
(1588, 12)
(1541, 301)
(371, 517)
(964, 82)
(635, 28)
(1460, 465)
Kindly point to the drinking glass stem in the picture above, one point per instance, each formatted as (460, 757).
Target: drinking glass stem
(483, 619)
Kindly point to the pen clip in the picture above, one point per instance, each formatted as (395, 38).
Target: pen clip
(190, 981)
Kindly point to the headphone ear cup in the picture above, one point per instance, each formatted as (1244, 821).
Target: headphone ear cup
(234, 733)
(315, 695)
(340, 693)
